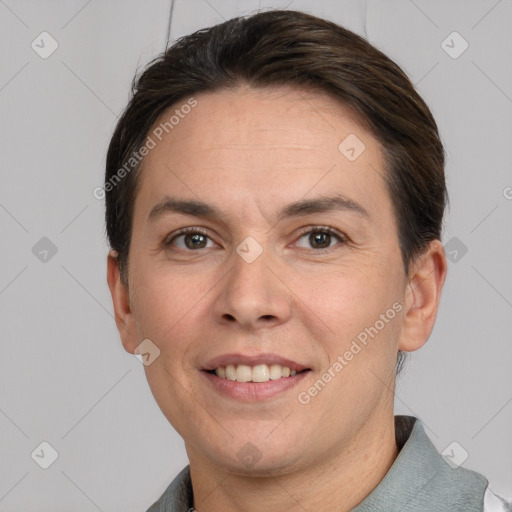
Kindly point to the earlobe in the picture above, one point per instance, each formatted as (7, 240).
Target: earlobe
(121, 301)
(422, 296)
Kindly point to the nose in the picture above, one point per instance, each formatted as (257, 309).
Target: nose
(253, 294)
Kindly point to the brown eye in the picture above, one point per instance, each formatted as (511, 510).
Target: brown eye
(189, 240)
(195, 240)
(320, 238)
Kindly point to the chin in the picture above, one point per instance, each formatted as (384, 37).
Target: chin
(255, 458)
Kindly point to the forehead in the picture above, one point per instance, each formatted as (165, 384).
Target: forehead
(264, 147)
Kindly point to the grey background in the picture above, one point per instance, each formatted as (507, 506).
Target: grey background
(64, 376)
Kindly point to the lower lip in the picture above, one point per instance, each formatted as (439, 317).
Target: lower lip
(252, 391)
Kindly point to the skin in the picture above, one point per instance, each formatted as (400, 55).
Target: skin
(251, 152)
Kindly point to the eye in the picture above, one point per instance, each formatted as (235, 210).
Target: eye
(321, 237)
(189, 239)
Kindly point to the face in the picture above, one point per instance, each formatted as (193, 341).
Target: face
(291, 260)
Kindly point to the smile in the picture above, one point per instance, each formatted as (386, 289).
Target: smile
(256, 373)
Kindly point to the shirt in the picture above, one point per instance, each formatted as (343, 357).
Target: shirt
(419, 480)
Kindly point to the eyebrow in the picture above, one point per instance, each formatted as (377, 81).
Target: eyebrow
(297, 209)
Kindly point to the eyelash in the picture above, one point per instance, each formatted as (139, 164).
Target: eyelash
(310, 229)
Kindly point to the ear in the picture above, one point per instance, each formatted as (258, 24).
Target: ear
(124, 317)
(422, 296)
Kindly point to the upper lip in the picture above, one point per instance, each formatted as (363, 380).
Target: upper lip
(235, 359)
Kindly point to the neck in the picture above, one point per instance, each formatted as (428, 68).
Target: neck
(339, 482)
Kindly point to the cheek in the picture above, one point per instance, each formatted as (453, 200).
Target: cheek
(350, 298)
(162, 300)
(166, 309)
(363, 310)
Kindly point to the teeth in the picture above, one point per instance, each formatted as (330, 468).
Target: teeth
(258, 373)
(243, 373)
(275, 371)
(230, 372)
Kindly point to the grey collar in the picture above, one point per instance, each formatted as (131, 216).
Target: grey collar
(419, 480)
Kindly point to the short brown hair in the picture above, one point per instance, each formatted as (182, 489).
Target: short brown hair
(291, 48)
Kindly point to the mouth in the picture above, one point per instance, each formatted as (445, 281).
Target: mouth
(256, 373)
(250, 390)
(257, 377)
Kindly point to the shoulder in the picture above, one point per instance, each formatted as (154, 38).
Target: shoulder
(493, 503)
(178, 497)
